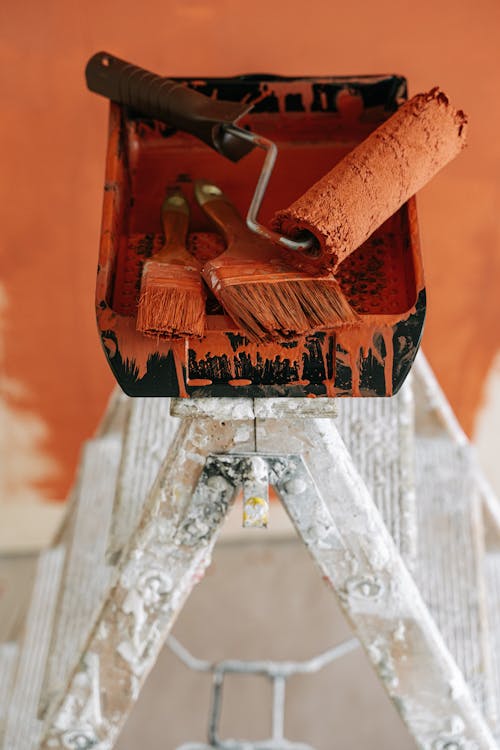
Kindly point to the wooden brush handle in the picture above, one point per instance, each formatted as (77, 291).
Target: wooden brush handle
(221, 212)
(175, 222)
(247, 254)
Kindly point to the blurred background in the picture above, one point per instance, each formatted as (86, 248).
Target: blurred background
(54, 382)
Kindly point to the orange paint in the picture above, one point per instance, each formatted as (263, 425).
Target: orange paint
(179, 352)
(172, 296)
(53, 144)
(360, 342)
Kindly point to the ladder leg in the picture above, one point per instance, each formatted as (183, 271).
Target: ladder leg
(164, 559)
(338, 521)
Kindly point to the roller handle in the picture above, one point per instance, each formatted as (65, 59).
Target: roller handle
(169, 101)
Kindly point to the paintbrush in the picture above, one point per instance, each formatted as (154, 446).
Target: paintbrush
(257, 288)
(172, 299)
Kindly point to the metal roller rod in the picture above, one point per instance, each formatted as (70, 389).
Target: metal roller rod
(271, 153)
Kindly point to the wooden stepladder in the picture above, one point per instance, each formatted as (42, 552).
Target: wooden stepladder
(174, 469)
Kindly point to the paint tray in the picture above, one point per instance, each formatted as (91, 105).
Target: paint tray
(383, 279)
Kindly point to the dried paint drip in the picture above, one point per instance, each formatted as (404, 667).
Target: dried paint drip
(375, 179)
(308, 360)
(255, 513)
(361, 343)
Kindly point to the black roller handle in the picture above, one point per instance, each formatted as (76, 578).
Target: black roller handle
(169, 101)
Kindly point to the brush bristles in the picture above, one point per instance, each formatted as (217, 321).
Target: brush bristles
(169, 312)
(287, 308)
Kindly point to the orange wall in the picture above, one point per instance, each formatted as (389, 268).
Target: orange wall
(53, 139)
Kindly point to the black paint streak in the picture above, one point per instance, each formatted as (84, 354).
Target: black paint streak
(277, 376)
(160, 378)
(406, 342)
(236, 340)
(264, 371)
(294, 103)
(343, 374)
(145, 245)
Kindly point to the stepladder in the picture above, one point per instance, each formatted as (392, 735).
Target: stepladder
(174, 470)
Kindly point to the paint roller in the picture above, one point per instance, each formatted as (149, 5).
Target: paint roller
(372, 182)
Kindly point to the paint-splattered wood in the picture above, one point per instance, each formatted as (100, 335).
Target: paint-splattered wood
(164, 559)
(92, 712)
(149, 433)
(209, 408)
(346, 535)
(378, 433)
(301, 408)
(22, 729)
(87, 576)
(449, 571)
(453, 496)
(434, 413)
(335, 515)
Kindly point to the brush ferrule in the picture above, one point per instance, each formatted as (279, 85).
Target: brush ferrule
(156, 271)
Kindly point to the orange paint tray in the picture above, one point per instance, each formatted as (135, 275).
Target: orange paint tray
(383, 279)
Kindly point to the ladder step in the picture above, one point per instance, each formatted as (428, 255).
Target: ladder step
(378, 433)
(450, 571)
(22, 729)
(87, 576)
(150, 431)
